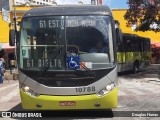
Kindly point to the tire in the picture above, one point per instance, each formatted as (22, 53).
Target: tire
(136, 67)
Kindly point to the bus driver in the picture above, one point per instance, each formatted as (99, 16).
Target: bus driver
(98, 48)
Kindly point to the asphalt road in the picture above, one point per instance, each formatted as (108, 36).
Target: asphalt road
(137, 93)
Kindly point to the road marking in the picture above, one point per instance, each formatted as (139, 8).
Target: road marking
(137, 91)
(121, 106)
(151, 79)
(9, 96)
(121, 93)
(8, 86)
(130, 91)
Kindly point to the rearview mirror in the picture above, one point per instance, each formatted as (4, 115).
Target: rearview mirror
(12, 36)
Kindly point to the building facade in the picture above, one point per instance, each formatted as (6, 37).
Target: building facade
(118, 15)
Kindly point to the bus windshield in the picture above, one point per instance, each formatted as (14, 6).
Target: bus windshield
(66, 43)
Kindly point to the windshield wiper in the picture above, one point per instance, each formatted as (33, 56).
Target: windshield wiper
(81, 64)
(53, 55)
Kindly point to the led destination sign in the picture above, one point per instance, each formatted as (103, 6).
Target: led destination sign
(69, 23)
(72, 63)
(54, 63)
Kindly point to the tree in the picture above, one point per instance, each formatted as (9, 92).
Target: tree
(143, 15)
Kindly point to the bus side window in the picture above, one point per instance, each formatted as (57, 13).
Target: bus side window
(119, 40)
(136, 45)
(128, 46)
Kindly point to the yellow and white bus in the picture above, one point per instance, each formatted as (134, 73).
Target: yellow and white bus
(56, 69)
(133, 52)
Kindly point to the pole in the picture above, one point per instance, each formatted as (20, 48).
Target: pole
(16, 32)
(15, 18)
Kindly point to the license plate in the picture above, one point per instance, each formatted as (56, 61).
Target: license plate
(67, 103)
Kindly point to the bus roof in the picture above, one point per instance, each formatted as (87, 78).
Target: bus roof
(69, 10)
(134, 36)
(129, 35)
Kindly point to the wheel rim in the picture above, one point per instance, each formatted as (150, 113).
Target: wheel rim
(136, 67)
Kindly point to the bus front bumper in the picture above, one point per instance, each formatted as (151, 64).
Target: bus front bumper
(46, 102)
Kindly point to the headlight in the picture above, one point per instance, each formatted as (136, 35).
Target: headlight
(106, 90)
(29, 91)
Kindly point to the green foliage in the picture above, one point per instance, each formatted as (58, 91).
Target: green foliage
(144, 12)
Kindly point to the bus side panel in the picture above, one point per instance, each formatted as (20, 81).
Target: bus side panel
(121, 57)
(126, 60)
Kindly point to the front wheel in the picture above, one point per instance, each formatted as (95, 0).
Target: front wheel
(136, 67)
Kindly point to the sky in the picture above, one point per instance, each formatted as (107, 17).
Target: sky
(114, 4)
(111, 3)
